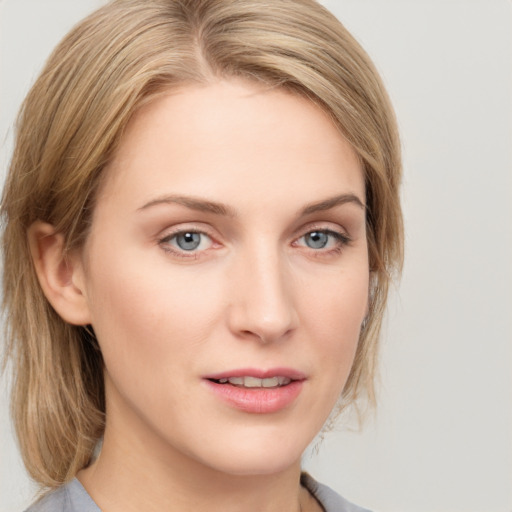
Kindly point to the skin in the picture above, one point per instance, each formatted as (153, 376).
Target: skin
(254, 294)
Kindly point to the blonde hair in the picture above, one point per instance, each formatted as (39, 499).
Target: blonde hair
(110, 64)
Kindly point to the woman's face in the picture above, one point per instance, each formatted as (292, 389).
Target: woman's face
(226, 276)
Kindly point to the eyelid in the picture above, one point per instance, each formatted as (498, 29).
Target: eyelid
(186, 227)
(327, 226)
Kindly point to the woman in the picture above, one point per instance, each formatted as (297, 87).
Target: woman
(201, 220)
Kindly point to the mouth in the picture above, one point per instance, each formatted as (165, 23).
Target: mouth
(256, 391)
(250, 382)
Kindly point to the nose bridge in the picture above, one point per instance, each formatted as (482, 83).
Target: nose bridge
(263, 303)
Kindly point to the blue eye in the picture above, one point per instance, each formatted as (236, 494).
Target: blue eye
(316, 239)
(324, 239)
(187, 241)
(183, 242)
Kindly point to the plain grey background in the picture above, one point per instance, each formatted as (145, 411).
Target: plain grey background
(441, 440)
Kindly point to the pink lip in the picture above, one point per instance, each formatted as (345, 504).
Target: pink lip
(257, 400)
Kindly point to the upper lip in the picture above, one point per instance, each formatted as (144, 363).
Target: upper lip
(291, 373)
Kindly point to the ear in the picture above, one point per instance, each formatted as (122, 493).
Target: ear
(61, 276)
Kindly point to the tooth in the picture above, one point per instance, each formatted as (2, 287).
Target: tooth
(255, 382)
(270, 383)
(252, 382)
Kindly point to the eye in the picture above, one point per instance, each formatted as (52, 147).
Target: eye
(186, 242)
(323, 239)
(316, 239)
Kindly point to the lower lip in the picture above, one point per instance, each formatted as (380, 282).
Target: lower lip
(257, 400)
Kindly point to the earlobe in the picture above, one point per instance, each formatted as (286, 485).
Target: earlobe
(60, 276)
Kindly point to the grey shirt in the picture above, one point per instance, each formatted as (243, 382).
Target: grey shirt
(72, 497)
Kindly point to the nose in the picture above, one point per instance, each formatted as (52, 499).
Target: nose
(262, 302)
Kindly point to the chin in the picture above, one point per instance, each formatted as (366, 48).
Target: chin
(253, 456)
(258, 465)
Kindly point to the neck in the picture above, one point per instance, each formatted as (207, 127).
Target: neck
(116, 485)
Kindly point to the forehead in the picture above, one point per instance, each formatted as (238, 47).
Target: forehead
(233, 139)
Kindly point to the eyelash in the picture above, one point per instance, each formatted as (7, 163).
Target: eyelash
(342, 240)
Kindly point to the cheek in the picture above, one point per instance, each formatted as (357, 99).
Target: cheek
(148, 328)
(143, 312)
(333, 318)
(337, 306)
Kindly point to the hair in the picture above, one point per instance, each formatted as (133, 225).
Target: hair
(116, 60)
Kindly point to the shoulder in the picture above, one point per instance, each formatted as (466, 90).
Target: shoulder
(70, 497)
(330, 500)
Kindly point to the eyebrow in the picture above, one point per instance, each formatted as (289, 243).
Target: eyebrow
(202, 205)
(194, 203)
(332, 202)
